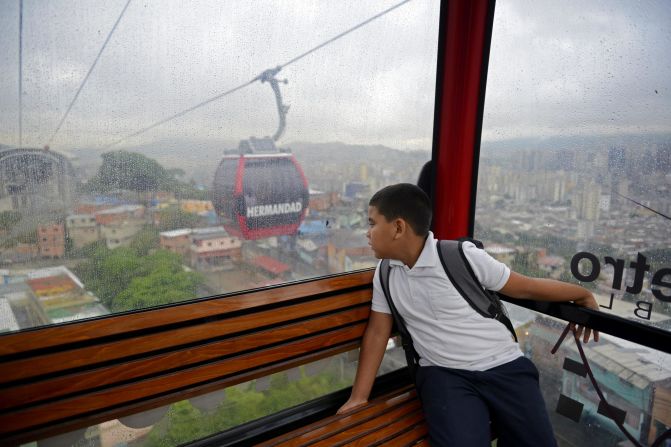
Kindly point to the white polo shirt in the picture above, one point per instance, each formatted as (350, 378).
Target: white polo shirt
(445, 329)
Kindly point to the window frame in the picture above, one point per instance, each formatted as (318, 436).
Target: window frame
(464, 40)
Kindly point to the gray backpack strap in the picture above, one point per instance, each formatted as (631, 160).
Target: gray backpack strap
(460, 273)
(411, 356)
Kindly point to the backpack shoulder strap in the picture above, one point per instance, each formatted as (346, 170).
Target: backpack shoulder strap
(411, 355)
(476, 242)
(462, 276)
(385, 272)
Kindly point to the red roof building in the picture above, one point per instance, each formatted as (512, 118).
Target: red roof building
(271, 265)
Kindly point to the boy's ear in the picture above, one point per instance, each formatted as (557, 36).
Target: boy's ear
(400, 227)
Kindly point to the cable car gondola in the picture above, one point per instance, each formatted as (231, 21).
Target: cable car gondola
(259, 190)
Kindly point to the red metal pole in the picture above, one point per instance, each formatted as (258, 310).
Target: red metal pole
(462, 72)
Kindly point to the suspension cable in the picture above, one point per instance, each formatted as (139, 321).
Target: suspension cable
(344, 33)
(81, 86)
(259, 77)
(183, 112)
(640, 204)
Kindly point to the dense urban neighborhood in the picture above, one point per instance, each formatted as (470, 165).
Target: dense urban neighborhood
(84, 239)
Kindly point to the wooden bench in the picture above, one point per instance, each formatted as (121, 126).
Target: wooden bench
(394, 419)
(58, 379)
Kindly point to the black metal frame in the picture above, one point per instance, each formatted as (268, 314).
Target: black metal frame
(642, 334)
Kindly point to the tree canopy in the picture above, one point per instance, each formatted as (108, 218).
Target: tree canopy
(130, 171)
(125, 279)
(8, 219)
(145, 240)
(133, 172)
(174, 218)
(243, 403)
(164, 282)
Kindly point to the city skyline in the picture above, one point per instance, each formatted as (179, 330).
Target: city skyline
(535, 209)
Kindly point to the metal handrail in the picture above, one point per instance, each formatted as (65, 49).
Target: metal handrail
(639, 333)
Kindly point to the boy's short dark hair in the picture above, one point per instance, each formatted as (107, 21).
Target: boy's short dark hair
(405, 201)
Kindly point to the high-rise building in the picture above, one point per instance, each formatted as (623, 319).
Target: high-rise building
(663, 158)
(616, 159)
(363, 172)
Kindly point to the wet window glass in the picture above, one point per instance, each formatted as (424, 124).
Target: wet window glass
(152, 153)
(575, 167)
(208, 414)
(573, 184)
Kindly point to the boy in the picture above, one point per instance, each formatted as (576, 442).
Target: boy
(471, 370)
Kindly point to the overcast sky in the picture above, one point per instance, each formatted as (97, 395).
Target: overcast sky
(579, 68)
(556, 68)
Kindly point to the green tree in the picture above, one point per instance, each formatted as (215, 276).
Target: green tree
(126, 279)
(28, 236)
(182, 423)
(130, 171)
(243, 404)
(162, 259)
(160, 280)
(189, 191)
(69, 246)
(174, 218)
(8, 219)
(145, 240)
(94, 248)
(88, 250)
(159, 287)
(108, 272)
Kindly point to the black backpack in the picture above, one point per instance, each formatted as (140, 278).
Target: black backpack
(460, 273)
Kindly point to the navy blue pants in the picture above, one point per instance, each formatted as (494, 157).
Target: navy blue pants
(458, 406)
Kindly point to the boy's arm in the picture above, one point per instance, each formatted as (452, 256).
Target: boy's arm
(372, 350)
(540, 289)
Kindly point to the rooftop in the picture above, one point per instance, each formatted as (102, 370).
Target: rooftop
(100, 200)
(206, 236)
(499, 249)
(270, 264)
(176, 233)
(45, 285)
(207, 230)
(80, 216)
(121, 209)
(54, 271)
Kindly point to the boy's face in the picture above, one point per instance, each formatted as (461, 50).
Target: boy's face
(380, 234)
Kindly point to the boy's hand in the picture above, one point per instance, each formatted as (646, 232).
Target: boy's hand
(589, 302)
(541, 289)
(350, 405)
